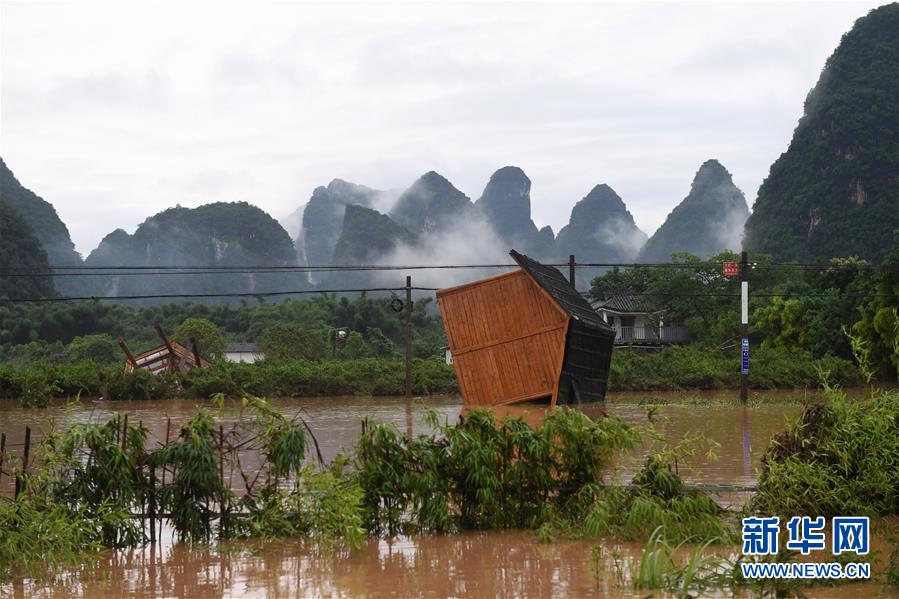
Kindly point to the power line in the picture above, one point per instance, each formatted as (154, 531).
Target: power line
(272, 269)
(737, 295)
(43, 300)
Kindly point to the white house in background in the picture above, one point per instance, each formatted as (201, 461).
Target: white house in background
(243, 352)
(628, 314)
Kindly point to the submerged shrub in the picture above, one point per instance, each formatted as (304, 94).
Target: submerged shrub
(838, 458)
(194, 462)
(657, 499)
(486, 472)
(40, 535)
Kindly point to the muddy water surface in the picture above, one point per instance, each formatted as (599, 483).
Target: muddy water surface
(464, 565)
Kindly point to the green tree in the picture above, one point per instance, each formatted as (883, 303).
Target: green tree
(210, 340)
(879, 326)
(286, 341)
(101, 349)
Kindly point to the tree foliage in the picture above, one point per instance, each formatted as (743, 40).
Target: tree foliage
(209, 337)
(20, 249)
(879, 326)
(833, 193)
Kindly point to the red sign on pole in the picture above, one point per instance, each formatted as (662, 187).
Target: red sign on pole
(731, 269)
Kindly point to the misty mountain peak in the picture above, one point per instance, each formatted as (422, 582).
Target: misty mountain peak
(601, 202)
(366, 235)
(41, 216)
(601, 229)
(506, 206)
(323, 219)
(711, 173)
(709, 220)
(508, 188)
(431, 203)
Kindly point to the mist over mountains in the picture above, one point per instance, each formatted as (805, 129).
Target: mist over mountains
(833, 193)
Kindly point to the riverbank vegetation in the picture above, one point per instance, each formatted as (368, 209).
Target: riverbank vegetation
(58, 332)
(671, 369)
(846, 309)
(37, 386)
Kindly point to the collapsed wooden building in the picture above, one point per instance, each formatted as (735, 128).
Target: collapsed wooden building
(169, 357)
(526, 335)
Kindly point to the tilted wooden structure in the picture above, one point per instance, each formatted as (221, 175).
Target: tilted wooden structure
(526, 335)
(171, 356)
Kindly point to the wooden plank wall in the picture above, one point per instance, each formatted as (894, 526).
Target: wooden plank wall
(507, 338)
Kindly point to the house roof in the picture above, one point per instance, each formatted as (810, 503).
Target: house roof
(561, 291)
(242, 347)
(624, 301)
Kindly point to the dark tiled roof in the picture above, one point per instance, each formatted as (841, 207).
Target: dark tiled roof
(242, 347)
(621, 301)
(558, 287)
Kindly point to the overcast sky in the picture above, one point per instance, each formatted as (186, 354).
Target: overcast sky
(115, 111)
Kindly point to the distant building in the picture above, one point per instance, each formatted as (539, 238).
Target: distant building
(447, 355)
(628, 314)
(243, 352)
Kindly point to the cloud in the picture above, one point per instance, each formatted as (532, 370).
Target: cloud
(622, 235)
(174, 95)
(110, 90)
(464, 241)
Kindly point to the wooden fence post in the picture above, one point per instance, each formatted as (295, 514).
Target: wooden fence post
(20, 478)
(2, 451)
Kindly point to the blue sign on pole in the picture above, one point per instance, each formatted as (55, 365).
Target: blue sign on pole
(745, 366)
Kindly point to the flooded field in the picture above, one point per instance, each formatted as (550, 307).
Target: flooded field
(469, 564)
(742, 433)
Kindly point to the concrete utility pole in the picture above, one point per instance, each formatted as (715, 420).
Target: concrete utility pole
(744, 327)
(408, 308)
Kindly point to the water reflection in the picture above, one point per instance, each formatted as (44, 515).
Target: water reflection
(742, 432)
(471, 564)
(502, 564)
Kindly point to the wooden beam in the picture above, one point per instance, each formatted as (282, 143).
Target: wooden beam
(165, 341)
(128, 353)
(196, 352)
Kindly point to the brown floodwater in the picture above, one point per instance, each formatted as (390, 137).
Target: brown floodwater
(496, 563)
(468, 564)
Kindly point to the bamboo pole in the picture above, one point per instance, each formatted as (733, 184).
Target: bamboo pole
(222, 525)
(152, 504)
(168, 431)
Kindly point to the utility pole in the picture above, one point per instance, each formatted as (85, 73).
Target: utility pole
(571, 265)
(408, 307)
(744, 327)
